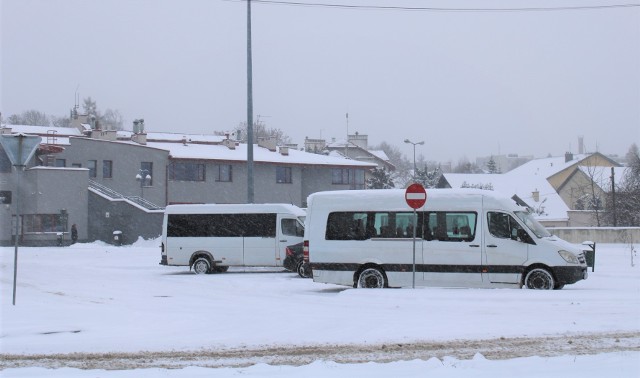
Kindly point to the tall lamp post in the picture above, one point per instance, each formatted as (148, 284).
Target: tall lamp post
(143, 176)
(414, 155)
(20, 148)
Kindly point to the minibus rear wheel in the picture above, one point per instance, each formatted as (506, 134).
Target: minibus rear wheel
(372, 278)
(539, 279)
(201, 265)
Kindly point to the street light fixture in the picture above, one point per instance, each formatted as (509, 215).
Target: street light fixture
(414, 155)
(143, 176)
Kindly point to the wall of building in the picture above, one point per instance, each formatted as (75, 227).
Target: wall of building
(107, 215)
(126, 158)
(624, 235)
(47, 190)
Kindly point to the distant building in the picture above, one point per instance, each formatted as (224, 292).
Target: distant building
(356, 147)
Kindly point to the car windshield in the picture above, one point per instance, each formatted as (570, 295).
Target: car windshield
(532, 224)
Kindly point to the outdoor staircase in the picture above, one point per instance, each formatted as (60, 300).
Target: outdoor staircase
(113, 195)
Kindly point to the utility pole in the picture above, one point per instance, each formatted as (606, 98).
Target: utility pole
(249, 109)
(613, 197)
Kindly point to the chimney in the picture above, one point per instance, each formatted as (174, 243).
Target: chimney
(229, 143)
(268, 143)
(581, 145)
(284, 151)
(139, 138)
(568, 156)
(536, 195)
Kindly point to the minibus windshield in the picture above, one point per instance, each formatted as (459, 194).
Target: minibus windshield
(532, 224)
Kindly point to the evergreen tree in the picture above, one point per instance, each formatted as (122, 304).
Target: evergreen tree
(492, 166)
(428, 179)
(380, 179)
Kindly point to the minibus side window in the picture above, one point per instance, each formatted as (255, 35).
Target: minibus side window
(291, 227)
(504, 226)
(450, 226)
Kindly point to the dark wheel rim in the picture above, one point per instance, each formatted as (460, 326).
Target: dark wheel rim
(539, 279)
(371, 279)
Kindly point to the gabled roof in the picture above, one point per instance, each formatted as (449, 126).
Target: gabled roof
(520, 185)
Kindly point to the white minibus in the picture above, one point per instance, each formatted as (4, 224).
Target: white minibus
(464, 238)
(212, 237)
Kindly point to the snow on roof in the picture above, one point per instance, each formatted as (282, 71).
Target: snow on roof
(380, 154)
(44, 130)
(260, 154)
(550, 204)
(177, 137)
(546, 167)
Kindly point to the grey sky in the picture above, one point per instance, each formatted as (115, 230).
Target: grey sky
(468, 83)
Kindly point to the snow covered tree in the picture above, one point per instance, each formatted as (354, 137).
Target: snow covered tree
(380, 179)
(426, 178)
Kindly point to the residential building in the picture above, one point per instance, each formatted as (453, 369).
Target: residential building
(127, 178)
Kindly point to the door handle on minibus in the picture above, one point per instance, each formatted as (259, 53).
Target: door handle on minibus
(283, 241)
(474, 245)
(492, 246)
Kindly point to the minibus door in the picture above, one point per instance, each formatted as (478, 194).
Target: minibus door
(505, 253)
(259, 241)
(290, 232)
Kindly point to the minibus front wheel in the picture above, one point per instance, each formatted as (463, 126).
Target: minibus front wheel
(371, 278)
(539, 279)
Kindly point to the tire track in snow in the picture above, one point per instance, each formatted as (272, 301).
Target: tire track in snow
(496, 349)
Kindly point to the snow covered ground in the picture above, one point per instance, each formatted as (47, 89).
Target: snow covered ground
(89, 307)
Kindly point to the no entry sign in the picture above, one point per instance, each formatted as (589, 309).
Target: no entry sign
(415, 196)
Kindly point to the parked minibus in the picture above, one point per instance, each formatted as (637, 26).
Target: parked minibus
(212, 237)
(463, 238)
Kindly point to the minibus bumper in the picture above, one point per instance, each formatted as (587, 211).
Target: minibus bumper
(566, 275)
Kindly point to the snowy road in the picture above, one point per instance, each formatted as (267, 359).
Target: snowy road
(95, 306)
(493, 349)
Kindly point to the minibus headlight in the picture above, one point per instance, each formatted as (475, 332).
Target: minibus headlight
(569, 257)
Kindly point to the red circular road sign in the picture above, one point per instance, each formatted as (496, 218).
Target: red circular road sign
(415, 196)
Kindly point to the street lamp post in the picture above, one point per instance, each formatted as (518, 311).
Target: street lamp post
(414, 155)
(143, 176)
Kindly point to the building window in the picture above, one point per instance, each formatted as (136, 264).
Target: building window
(283, 175)
(224, 173)
(146, 169)
(61, 163)
(107, 169)
(92, 164)
(186, 171)
(359, 179)
(340, 176)
(39, 223)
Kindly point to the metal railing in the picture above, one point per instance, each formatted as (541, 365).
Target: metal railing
(110, 193)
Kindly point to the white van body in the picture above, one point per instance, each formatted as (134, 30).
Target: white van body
(213, 237)
(465, 238)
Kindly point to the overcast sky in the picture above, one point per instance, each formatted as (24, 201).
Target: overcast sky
(469, 84)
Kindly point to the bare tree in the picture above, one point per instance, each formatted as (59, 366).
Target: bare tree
(29, 117)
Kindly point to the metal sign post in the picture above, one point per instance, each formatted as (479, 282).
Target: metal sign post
(416, 197)
(19, 148)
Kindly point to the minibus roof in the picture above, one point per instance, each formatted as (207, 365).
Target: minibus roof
(248, 208)
(394, 200)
